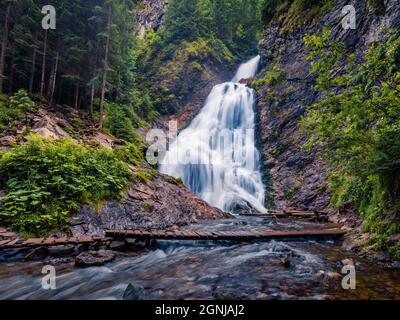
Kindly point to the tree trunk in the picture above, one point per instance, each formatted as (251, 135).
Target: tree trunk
(50, 79)
(52, 85)
(92, 93)
(11, 72)
(4, 46)
(76, 97)
(33, 67)
(43, 64)
(105, 69)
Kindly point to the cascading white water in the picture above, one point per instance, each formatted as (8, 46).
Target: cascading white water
(216, 155)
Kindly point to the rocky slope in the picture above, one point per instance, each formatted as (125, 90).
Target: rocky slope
(155, 202)
(201, 88)
(150, 15)
(296, 178)
(161, 203)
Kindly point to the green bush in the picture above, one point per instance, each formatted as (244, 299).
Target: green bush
(13, 110)
(121, 122)
(270, 78)
(133, 153)
(357, 125)
(47, 181)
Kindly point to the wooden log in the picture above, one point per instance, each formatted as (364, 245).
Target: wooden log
(4, 242)
(241, 235)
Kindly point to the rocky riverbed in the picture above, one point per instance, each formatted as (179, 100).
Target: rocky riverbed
(207, 270)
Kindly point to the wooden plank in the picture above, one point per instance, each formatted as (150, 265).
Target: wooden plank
(33, 242)
(8, 234)
(85, 239)
(13, 242)
(49, 241)
(73, 240)
(4, 242)
(240, 235)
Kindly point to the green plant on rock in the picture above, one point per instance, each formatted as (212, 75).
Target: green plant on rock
(47, 181)
(357, 125)
(14, 109)
(270, 78)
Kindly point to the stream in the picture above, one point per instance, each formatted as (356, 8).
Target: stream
(213, 270)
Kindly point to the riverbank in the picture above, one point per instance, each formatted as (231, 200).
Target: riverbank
(208, 270)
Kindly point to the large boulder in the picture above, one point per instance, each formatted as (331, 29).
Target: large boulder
(94, 258)
(161, 203)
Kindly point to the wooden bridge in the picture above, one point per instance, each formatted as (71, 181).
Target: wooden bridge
(225, 235)
(9, 240)
(287, 214)
(174, 235)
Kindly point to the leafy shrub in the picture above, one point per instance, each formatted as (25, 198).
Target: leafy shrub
(121, 122)
(133, 153)
(48, 180)
(13, 110)
(294, 13)
(270, 78)
(357, 125)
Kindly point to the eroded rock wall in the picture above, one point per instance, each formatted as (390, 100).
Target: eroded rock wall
(296, 178)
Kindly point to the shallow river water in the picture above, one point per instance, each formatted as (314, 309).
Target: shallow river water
(213, 270)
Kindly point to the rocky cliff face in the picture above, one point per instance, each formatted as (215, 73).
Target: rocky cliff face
(150, 15)
(161, 203)
(297, 179)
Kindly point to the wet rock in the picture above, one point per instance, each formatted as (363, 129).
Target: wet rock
(60, 251)
(224, 296)
(37, 253)
(333, 275)
(117, 245)
(327, 278)
(58, 261)
(94, 258)
(381, 257)
(133, 293)
(241, 223)
(285, 262)
(347, 262)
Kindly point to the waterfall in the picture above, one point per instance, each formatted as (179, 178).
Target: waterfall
(216, 155)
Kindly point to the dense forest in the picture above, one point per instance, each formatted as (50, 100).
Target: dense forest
(90, 60)
(95, 63)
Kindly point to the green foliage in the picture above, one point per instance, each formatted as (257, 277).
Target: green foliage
(47, 181)
(234, 22)
(197, 36)
(77, 45)
(13, 110)
(133, 153)
(121, 122)
(357, 124)
(293, 14)
(270, 78)
(172, 70)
